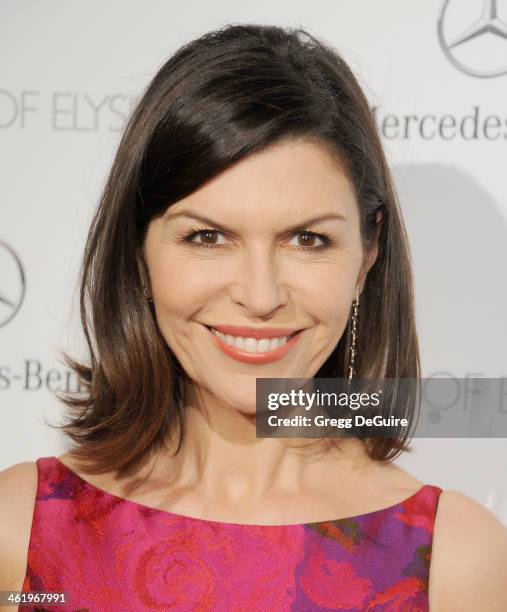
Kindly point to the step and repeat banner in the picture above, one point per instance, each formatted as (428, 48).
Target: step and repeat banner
(435, 73)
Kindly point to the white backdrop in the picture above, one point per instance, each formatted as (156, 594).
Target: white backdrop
(70, 73)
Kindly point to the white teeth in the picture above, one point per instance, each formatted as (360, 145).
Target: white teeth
(263, 345)
(239, 343)
(251, 345)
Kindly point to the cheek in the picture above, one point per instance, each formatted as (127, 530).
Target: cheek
(327, 291)
(180, 288)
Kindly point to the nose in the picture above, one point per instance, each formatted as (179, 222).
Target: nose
(258, 286)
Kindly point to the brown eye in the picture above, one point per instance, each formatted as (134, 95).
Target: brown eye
(208, 237)
(308, 240)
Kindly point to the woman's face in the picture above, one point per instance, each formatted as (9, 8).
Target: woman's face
(247, 250)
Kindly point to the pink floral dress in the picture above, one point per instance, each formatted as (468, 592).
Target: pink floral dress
(110, 554)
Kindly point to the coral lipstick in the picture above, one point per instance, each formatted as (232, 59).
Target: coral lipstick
(255, 346)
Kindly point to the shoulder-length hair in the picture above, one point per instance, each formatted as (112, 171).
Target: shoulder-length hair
(219, 98)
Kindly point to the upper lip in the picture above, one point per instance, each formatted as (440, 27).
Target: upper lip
(255, 332)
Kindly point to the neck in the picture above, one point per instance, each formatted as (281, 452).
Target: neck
(221, 457)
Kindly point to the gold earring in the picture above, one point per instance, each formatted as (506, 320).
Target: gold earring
(145, 291)
(353, 332)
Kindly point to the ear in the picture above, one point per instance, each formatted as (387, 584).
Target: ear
(371, 256)
(142, 267)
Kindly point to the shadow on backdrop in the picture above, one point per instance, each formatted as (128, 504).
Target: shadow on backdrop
(458, 241)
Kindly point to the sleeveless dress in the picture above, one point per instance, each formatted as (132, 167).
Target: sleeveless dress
(110, 554)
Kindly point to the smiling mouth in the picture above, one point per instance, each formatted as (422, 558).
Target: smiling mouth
(253, 345)
(252, 350)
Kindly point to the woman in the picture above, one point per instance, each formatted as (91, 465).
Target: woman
(249, 228)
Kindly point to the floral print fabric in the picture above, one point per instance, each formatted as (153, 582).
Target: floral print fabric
(111, 554)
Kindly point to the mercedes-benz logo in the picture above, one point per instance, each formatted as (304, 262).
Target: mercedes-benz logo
(12, 284)
(477, 42)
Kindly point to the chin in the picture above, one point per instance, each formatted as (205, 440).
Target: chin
(242, 405)
(240, 398)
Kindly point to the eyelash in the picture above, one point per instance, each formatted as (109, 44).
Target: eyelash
(188, 238)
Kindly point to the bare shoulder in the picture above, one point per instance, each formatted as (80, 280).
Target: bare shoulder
(468, 569)
(18, 488)
(404, 479)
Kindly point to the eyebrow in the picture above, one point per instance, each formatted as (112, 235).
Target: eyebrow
(223, 228)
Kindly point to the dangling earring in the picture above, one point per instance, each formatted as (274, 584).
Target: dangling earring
(353, 333)
(145, 291)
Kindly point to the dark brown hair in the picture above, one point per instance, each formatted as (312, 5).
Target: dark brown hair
(219, 98)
